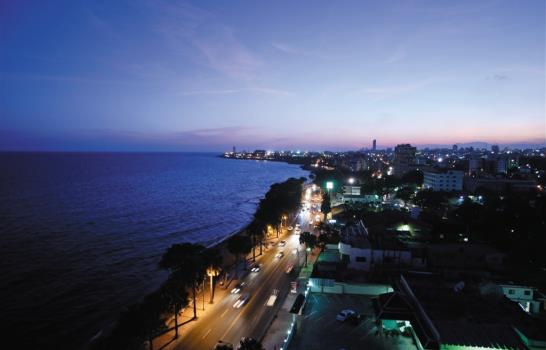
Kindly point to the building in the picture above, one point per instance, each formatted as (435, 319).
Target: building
(456, 314)
(344, 198)
(495, 149)
(404, 158)
(455, 148)
(499, 184)
(447, 180)
(501, 166)
(351, 190)
(474, 165)
(374, 145)
(259, 154)
(361, 253)
(529, 298)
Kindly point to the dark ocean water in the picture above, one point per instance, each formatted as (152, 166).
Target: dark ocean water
(81, 233)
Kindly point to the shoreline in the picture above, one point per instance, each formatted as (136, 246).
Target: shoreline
(228, 261)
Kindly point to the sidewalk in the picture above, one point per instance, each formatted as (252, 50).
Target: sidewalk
(276, 333)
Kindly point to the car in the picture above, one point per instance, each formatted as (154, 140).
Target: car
(279, 255)
(297, 225)
(238, 287)
(289, 268)
(282, 243)
(344, 314)
(242, 300)
(256, 268)
(289, 228)
(222, 345)
(297, 230)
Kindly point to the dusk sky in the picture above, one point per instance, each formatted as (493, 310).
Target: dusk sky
(166, 75)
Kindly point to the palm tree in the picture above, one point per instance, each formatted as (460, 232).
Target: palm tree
(310, 242)
(250, 344)
(185, 262)
(175, 297)
(213, 261)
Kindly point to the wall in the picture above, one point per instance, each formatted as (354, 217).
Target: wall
(319, 286)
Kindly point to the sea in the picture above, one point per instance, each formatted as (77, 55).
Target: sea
(81, 234)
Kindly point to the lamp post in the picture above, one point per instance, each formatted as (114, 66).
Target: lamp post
(212, 272)
(307, 250)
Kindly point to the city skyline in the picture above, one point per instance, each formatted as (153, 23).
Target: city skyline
(165, 76)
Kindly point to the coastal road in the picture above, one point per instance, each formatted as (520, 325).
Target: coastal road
(251, 320)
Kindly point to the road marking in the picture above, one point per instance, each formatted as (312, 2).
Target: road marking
(207, 333)
(223, 313)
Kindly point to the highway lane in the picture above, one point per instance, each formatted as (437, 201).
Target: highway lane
(252, 319)
(231, 324)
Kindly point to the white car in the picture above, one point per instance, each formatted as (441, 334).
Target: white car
(238, 287)
(279, 255)
(242, 300)
(290, 228)
(256, 268)
(344, 314)
(297, 230)
(282, 243)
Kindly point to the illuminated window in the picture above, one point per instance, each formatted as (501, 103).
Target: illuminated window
(511, 291)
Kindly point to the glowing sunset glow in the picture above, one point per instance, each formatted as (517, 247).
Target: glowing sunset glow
(206, 76)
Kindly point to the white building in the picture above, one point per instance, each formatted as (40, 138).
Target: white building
(449, 180)
(530, 299)
(362, 255)
(351, 190)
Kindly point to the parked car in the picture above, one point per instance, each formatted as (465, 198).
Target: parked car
(290, 228)
(282, 243)
(297, 230)
(344, 314)
(255, 268)
(279, 255)
(242, 300)
(238, 287)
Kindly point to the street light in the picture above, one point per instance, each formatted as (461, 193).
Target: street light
(351, 180)
(212, 272)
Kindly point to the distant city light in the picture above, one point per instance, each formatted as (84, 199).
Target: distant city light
(329, 185)
(351, 180)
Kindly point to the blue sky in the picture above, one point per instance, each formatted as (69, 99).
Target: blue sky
(167, 75)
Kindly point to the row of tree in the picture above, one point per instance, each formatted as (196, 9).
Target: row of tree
(188, 265)
(279, 203)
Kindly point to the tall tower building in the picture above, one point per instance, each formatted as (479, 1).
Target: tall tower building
(404, 157)
(374, 145)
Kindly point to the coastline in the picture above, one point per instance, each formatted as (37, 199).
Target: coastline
(228, 259)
